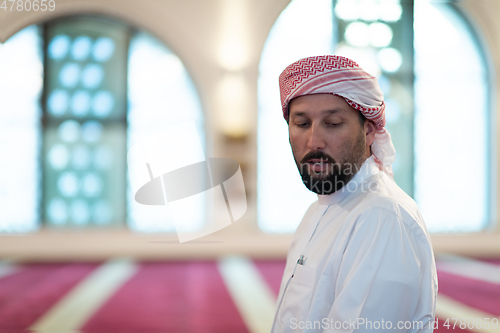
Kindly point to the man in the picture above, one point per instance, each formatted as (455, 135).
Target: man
(361, 260)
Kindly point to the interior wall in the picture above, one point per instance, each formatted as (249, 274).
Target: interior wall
(197, 31)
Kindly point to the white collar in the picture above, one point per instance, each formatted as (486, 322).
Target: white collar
(368, 169)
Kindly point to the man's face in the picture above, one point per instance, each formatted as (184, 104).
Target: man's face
(328, 141)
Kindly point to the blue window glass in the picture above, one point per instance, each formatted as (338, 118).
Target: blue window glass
(85, 123)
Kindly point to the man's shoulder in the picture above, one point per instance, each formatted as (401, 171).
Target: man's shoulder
(386, 197)
(384, 193)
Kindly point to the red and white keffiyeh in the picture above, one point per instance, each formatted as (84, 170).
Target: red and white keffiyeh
(331, 74)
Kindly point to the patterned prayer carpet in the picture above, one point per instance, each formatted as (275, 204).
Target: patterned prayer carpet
(230, 295)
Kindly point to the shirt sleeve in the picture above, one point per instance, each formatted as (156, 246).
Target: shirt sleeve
(378, 284)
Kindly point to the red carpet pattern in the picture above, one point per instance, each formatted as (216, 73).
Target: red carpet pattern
(28, 293)
(192, 296)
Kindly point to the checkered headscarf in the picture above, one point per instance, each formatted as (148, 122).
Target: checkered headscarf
(343, 77)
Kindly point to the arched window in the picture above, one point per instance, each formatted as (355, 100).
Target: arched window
(21, 77)
(452, 119)
(160, 93)
(304, 28)
(103, 86)
(428, 62)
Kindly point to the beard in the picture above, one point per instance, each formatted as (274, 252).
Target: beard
(337, 173)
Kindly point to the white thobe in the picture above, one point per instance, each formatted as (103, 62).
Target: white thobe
(366, 258)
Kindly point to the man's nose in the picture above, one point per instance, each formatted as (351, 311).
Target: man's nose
(315, 140)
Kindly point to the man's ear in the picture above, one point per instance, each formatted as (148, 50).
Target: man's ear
(369, 128)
